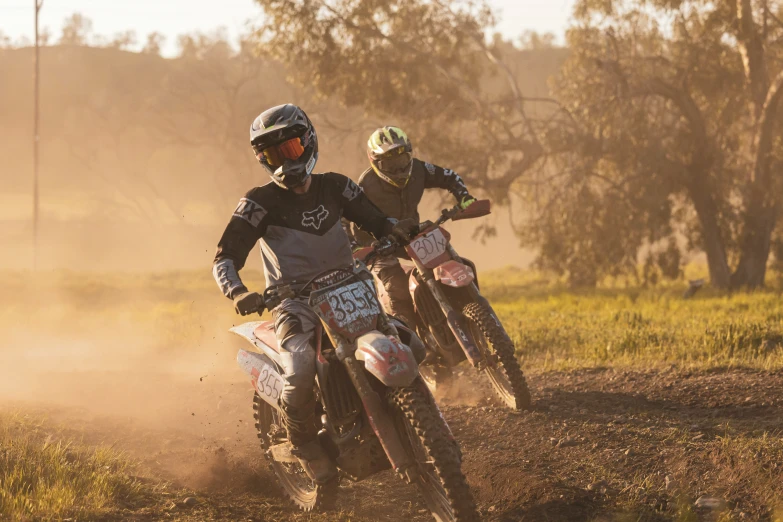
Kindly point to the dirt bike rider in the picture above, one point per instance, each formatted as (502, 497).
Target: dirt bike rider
(395, 182)
(297, 219)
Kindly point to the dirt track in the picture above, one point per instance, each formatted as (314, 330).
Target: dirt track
(599, 445)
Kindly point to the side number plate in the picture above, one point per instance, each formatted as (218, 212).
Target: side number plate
(269, 383)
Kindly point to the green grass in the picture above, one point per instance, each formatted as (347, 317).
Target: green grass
(553, 327)
(44, 475)
(631, 326)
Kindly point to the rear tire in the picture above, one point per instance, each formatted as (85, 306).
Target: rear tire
(426, 438)
(503, 368)
(293, 480)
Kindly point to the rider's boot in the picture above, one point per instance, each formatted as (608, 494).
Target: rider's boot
(300, 425)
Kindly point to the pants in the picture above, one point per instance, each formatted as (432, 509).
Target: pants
(295, 327)
(398, 301)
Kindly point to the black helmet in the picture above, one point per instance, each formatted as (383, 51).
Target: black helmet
(285, 143)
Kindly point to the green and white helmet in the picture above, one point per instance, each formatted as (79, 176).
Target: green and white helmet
(391, 155)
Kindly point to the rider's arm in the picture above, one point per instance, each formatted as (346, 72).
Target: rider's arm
(438, 177)
(351, 236)
(243, 231)
(358, 208)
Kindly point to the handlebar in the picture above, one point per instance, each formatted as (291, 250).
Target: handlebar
(274, 295)
(386, 246)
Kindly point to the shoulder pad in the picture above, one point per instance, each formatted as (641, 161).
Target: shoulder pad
(367, 175)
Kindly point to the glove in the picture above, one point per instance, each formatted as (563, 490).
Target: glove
(403, 230)
(248, 303)
(466, 201)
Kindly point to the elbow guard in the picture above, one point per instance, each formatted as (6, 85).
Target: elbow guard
(227, 278)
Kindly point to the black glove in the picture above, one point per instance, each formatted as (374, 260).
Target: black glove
(403, 230)
(248, 303)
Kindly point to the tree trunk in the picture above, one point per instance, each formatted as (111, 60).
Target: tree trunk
(714, 246)
(752, 267)
(753, 54)
(761, 209)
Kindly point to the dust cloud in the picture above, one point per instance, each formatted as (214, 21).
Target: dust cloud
(151, 372)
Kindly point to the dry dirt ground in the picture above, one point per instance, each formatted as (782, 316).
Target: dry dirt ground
(600, 444)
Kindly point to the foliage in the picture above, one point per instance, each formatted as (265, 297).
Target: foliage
(665, 139)
(45, 477)
(77, 29)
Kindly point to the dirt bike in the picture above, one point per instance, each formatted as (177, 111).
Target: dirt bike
(453, 319)
(373, 410)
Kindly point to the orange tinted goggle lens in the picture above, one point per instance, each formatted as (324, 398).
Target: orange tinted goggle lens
(277, 154)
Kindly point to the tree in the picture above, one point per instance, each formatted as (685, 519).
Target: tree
(534, 40)
(123, 40)
(77, 30)
(155, 42)
(44, 37)
(5, 41)
(676, 115)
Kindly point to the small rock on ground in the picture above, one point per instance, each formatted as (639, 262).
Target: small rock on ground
(706, 502)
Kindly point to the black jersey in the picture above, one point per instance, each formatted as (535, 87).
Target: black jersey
(403, 203)
(300, 234)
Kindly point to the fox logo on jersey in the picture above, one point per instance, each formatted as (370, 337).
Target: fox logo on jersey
(315, 218)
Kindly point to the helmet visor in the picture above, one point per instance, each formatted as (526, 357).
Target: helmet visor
(396, 165)
(276, 155)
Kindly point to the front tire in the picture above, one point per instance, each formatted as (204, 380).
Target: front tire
(426, 438)
(293, 480)
(503, 368)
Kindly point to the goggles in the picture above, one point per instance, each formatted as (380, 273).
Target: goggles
(398, 163)
(276, 155)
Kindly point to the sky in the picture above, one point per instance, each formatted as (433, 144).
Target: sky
(173, 17)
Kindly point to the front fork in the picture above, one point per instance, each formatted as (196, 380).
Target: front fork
(380, 420)
(465, 341)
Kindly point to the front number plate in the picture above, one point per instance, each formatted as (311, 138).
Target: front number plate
(352, 307)
(429, 247)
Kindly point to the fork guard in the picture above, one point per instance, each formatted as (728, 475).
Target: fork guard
(453, 273)
(386, 358)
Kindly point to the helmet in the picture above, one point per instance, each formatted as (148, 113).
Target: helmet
(391, 155)
(284, 141)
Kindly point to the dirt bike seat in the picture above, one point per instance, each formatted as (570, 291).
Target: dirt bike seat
(265, 332)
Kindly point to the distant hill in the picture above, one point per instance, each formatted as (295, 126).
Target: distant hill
(143, 158)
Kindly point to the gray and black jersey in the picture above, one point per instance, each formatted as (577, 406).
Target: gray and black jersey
(300, 234)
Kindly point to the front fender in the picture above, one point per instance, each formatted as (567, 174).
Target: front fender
(385, 357)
